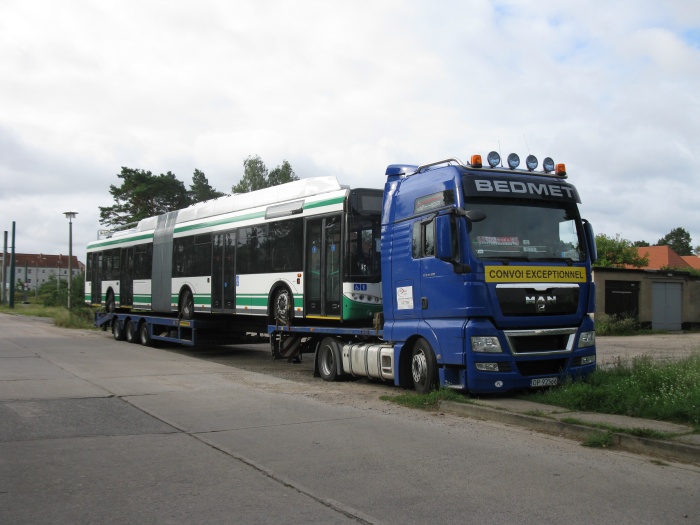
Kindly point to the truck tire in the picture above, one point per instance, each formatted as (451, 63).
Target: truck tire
(144, 334)
(117, 330)
(423, 367)
(130, 332)
(328, 359)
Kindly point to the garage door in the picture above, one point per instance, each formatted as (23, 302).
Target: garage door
(666, 306)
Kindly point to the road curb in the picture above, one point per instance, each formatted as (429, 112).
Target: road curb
(670, 450)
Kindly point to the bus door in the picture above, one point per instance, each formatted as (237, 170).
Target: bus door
(126, 277)
(223, 273)
(95, 278)
(323, 256)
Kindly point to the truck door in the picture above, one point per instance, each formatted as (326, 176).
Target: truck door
(442, 291)
(323, 256)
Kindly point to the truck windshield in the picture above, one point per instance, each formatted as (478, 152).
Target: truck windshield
(527, 231)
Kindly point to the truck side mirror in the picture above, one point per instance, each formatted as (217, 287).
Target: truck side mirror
(443, 238)
(590, 240)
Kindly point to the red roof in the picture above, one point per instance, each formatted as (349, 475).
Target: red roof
(662, 257)
(692, 260)
(42, 260)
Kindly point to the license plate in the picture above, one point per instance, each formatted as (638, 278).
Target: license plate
(544, 381)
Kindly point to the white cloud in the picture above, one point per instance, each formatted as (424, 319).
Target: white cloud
(345, 88)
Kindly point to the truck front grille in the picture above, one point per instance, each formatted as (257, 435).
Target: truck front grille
(532, 342)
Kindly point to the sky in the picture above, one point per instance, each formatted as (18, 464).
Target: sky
(345, 88)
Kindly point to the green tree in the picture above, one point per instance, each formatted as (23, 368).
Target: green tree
(142, 195)
(282, 174)
(201, 190)
(641, 244)
(678, 240)
(617, 253)
(256, 175)
(54, 292)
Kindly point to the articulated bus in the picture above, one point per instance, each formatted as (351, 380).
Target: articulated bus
(308, 249)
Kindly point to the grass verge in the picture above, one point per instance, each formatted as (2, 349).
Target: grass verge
(82, 318)
(665, 391)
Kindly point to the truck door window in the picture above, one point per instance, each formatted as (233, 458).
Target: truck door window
(423, 242)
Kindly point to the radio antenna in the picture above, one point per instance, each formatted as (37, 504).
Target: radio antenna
(526, 144)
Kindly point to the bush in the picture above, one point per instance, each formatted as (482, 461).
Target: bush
(617, 325)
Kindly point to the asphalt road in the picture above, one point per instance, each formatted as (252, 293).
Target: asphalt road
(97, 431)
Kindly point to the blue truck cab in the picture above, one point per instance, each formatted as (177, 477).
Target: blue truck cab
(486, 275)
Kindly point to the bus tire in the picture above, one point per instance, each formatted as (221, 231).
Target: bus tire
(328, 359)
(186, 304)
(282, 306)
(110, 306)
(423, 367)
(117, 330)
(145, 334)
(130, 332)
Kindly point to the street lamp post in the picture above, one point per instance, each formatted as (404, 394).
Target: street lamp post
(70, 215)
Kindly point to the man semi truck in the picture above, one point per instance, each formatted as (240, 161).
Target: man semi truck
(485, 281)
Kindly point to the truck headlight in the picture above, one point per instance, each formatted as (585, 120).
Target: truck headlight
(489, 345)
(586, 339)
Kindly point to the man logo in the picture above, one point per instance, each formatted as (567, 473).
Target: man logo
(540, 301)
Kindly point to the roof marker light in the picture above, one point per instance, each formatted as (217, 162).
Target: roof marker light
(513, 161)
(476, 161)
(531, 162)
(548, 165)
(494, 159)
(561, 170)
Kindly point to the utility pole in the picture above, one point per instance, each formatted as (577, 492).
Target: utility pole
(4, 268)
(70, 215)
(12, 269)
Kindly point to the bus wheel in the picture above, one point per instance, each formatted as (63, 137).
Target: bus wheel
(130, 332)
(144, 334)
(186, 305)
(110, 306)
(328, 359)
(117, 330)
(423, 367)
(282, 306)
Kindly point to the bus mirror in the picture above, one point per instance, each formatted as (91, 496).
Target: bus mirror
(443, 238)
(590, 241)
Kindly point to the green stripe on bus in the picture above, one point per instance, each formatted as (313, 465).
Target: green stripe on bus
(121, 241)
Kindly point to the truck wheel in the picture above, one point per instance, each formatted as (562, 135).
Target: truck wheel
(144, 334)
(117, 330)
(328, 359)
(110, 305)
(130, 332)
(186, 305)
(423, 367)
(282, 306)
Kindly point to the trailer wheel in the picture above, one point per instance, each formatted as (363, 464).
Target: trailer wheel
(328, 359)
(110, 305)
(130, 332)
(144, 334)
(423, 367)
(117, 330)
(186, 305)
(282, 306)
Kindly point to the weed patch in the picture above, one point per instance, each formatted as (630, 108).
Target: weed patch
(427, 401)
(666, 391)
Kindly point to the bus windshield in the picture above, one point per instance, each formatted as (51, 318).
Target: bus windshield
(527, 231)
(362, 255)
